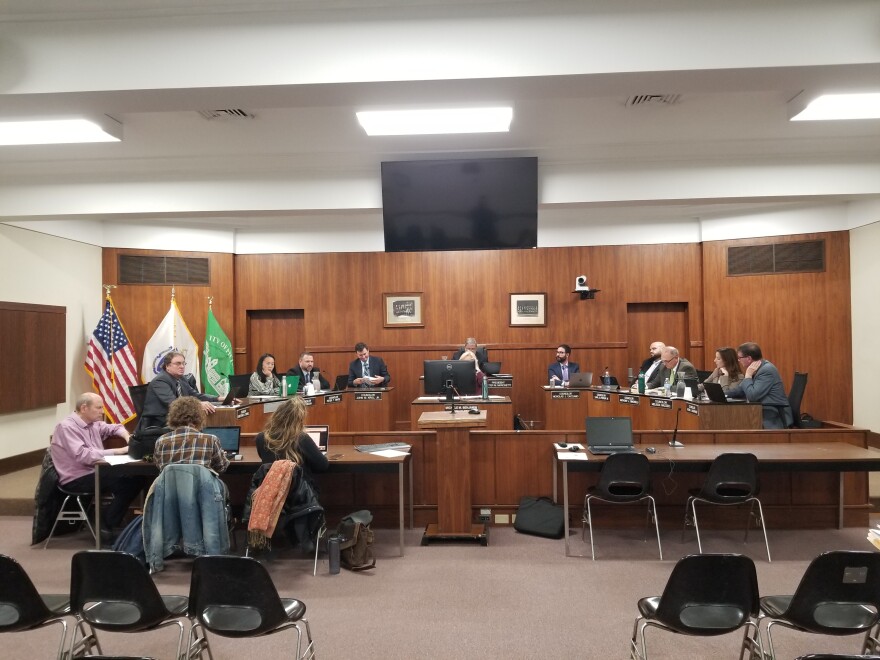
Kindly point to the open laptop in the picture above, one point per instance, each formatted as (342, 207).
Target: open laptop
(581, 379)
(609, 435)
(341, 383)
(716, 393)
(229, 436)
(320, 434)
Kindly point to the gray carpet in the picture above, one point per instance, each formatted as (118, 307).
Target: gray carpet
(517, 598)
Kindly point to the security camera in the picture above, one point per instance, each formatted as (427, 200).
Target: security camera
(580, 283)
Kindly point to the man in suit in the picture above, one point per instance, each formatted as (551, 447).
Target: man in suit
(652, 363)
(367, 370)
(559, 372)
(762, 384)
(168, 386)
(674, 367)
(470, 344)
(306, 370)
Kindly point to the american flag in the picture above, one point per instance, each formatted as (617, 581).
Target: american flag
(112, 368)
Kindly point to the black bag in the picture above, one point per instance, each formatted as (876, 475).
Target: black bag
(356, 541)
(143, 443)
(541, 517)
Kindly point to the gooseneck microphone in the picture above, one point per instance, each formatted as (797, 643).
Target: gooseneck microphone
(674, 442)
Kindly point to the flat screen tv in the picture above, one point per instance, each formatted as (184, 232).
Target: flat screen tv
(482, 204)
(459, 374)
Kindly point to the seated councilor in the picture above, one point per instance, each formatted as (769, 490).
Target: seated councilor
(186, 443)
(727, 370)
(167, 386)
(264, 381)
(470, 344)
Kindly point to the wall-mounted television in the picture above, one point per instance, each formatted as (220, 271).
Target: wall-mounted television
(476, 204)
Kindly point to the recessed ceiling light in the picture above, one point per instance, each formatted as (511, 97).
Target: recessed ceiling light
(841, 106)
(59, 131)
(434, 122)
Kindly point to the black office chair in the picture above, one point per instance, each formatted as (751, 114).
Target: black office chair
(839, 594)
(23, 608)
(138, 394)
(73, 510)
(625, 479)
(796, 395)
(732, 481)
(235, 597)
(112, 591)
(706, 595)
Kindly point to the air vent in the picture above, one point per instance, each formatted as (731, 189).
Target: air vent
(640, 100)
(194, 271)
(776, 258)
(228, 113)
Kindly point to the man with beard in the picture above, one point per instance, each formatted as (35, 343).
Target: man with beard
(560, 371)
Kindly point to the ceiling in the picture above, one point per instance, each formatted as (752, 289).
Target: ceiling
(730, 73)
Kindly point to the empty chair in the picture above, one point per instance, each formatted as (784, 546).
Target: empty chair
(839, 594)
(22, 608)
(112, 591)
(625, 479)
(235, 597)
(73, 509)
(706, 595)
(138, 394)
(732, 480)
(795, 395)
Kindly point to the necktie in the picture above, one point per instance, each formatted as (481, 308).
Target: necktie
(564, 372)
(179, 393)
(366, 369)
(672, 377)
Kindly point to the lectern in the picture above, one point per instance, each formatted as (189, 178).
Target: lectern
(453, 477)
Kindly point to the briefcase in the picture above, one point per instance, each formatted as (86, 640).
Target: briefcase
(143, 443)
(541, 517)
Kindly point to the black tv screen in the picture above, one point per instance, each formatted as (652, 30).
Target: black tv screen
(485, 204)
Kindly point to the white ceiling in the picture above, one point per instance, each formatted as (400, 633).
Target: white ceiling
(303, 67)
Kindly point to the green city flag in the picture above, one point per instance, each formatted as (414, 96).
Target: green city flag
(217, 365)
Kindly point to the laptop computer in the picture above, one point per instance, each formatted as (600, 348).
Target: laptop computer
(609, 435)
(229, 436)
(341, 383)
(716, 393)
(320, 435)
(581, 379)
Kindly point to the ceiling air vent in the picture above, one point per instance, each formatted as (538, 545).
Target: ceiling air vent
(228, 113)
(640, 100)
(776, 258)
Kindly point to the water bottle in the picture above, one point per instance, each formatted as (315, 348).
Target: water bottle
(333, 551)
(316, 382)
(641, 382)
(667, 388)
(679, 388)
(606, 378)
(485, 387)
(284, 386)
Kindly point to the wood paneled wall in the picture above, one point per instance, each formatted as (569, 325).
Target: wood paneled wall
(797, 319)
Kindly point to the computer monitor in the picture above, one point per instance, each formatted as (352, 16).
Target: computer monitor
(460, 374)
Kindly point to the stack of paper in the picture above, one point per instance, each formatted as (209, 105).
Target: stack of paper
(874, 536)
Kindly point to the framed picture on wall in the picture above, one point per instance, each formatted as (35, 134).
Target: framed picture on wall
(403, 310)
(528, 309)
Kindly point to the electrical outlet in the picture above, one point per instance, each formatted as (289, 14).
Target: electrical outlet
(502, 519)
(485, 516)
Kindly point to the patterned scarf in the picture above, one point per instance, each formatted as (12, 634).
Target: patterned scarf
(268, 500)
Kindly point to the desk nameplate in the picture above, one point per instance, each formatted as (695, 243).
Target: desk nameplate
(565, 394)
(241, 413)
(499, 383)
(629, 399)
(333, 398)
(368, 396)
(666, 404)
(601, 396)
(693, 409)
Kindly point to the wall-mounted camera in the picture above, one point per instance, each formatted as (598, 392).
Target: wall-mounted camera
(581, 287)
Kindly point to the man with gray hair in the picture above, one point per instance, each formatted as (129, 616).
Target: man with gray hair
(78, 443)
(470, 344)
(674, 367)
(165, 388)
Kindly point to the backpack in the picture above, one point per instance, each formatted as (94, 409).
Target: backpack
(356, 541)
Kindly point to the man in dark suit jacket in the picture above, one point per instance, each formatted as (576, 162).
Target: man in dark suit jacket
(367, 371)
(560, 371)
(470, 344)
(674, 368)
(165, 388)
(305, 370)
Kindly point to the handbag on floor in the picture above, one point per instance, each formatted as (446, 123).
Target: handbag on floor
(541, 517)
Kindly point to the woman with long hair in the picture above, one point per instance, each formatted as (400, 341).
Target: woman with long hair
(264, 381)
(727, 370)
(283, 438)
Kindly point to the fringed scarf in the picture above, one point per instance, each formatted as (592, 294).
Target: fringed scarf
(267, 503)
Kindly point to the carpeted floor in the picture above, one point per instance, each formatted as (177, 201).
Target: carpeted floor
(517, 598)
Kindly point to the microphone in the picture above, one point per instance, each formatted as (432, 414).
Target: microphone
(674, 442)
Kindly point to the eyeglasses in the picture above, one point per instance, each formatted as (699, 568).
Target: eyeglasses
(743, 357)
(177, 363)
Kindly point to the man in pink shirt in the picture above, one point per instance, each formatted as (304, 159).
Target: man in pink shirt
(78, 443)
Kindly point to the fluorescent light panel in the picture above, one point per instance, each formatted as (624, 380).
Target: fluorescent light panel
(436, 122)
(58, 131)
(841, 106)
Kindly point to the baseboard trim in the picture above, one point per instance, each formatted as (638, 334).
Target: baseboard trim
(21, 461)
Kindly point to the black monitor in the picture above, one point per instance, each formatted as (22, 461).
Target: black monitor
(461, 374)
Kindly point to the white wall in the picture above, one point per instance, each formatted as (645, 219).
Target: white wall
(45, 270)
(865, 274)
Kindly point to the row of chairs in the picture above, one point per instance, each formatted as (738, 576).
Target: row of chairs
(112, 591)
(626, 478)
(707, 595)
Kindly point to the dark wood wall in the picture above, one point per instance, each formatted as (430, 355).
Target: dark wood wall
(335, 300)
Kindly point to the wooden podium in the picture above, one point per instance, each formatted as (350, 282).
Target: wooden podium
(453, 477)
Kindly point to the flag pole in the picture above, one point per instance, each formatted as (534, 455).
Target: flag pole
(107, 288)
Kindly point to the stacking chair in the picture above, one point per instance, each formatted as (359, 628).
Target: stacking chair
(112, 591)
(235, 597)
(625, 479)
(69, 514)
(839, 594)
(22, 608)
(732, 480)
(706, 595)
(796, 395)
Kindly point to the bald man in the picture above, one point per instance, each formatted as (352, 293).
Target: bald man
(649, 366)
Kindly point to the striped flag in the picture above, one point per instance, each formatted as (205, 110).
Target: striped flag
(112, 366)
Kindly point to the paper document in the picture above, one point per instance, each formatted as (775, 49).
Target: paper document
(119, 459)
(567, 447)
(566, 455)
(389, 453)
